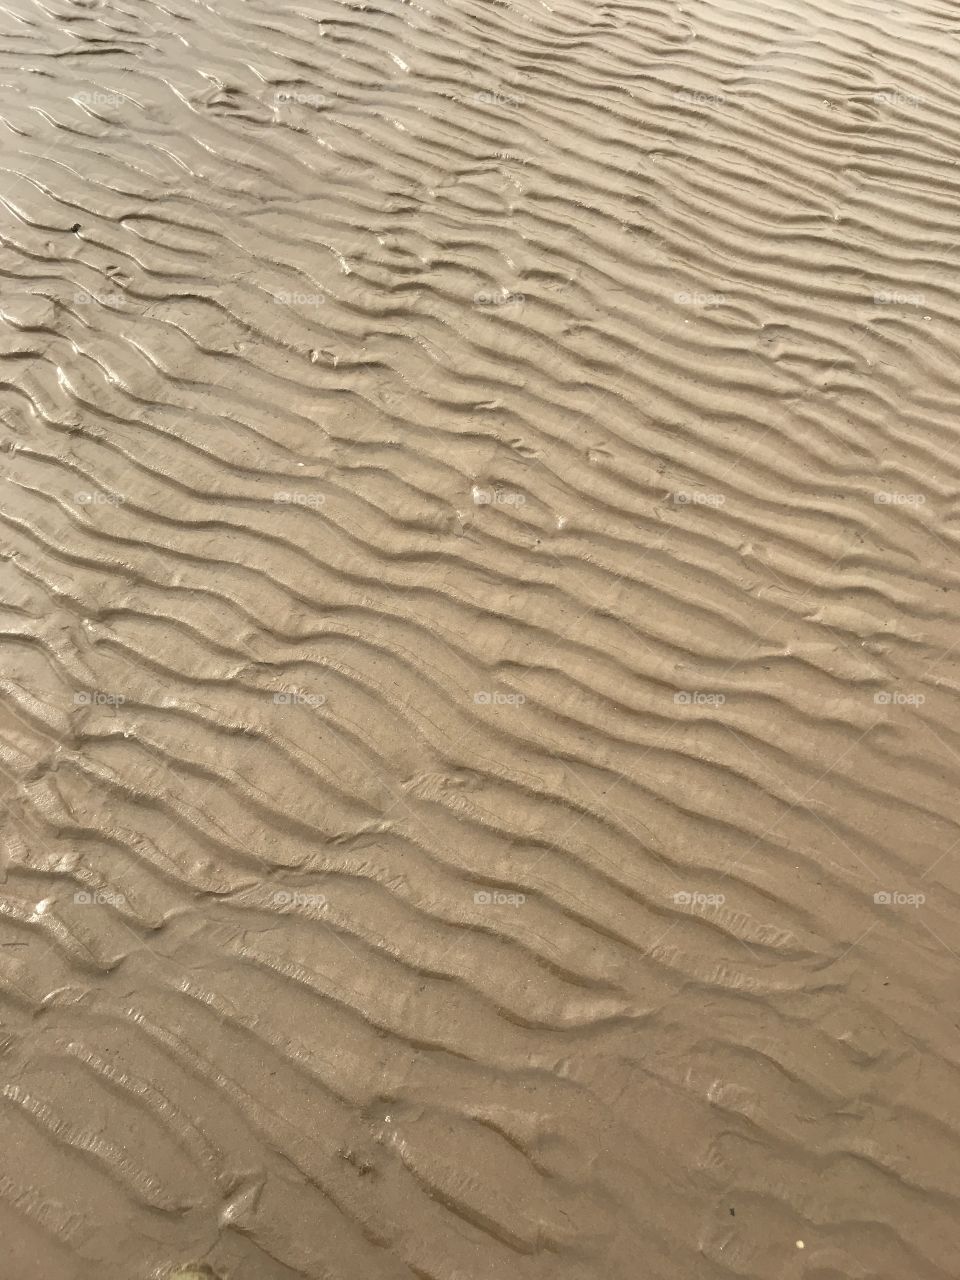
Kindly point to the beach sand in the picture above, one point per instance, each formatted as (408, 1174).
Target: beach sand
(478, 637)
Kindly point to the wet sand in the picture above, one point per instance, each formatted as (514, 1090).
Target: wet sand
(479, 640)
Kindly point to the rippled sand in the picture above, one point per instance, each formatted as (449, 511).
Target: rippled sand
(479, 640)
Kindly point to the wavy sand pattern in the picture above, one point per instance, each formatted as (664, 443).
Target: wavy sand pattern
(479, 640)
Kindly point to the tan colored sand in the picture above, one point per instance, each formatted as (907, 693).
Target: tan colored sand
(479, 616)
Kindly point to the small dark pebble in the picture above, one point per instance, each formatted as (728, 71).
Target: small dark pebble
(75, 227)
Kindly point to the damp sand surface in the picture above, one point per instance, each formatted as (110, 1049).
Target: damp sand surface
(479, 577)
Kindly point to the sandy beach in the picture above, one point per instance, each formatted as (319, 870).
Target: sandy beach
(479, 649)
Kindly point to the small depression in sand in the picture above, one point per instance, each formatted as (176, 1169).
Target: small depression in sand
(479, 576)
